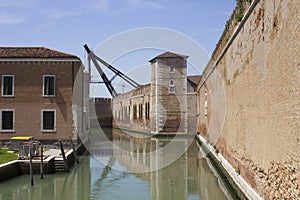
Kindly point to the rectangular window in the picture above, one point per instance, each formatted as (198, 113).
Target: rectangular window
(48, 85)
(134, 112)
(140, 111)
(7, 85)
(171, 89)
(7, 120)
(48, 120)
(147, 111)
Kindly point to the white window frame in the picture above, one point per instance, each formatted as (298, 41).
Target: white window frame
(42, 121)
(172, 90)
(6, 130)
(44, 95)
(13, 86)
(171, 86)
(172, 69)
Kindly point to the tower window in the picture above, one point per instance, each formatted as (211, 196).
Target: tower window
(172, 69)
(171, 86)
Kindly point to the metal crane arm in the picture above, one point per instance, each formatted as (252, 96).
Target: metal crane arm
(91, 56)
(113, 69)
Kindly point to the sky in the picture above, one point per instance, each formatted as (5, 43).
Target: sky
(66, 25)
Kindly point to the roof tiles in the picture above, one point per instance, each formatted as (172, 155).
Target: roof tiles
(32, 52)
(169, 54)
(194, 79)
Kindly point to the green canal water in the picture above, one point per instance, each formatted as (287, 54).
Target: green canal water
(189, 177)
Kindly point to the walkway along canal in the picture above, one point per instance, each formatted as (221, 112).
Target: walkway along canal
(189, 177)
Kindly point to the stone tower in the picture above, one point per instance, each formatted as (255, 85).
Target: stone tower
(168, 93)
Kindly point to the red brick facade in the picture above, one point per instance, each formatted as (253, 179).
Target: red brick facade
(29, 102)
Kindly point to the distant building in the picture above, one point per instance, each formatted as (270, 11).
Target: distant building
(37, 86)
(166, 105)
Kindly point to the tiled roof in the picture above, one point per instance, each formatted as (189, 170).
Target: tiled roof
(32, 52)
(169, 54)
(194, 79)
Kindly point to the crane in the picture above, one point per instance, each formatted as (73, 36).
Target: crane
(96, 60)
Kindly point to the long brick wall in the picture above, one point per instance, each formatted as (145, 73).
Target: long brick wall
(249, 99)
(101, 112)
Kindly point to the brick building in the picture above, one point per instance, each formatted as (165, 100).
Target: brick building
(36, 93)
(162, 105)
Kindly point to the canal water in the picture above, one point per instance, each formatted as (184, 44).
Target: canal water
(109, 174)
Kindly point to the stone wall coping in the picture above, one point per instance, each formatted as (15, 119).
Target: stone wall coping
(229, 43)
(26, 161)
(238, 180)
(8, 163)
(36, 161)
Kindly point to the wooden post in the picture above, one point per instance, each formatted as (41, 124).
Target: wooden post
(42, 160)
(64, 157)
(30, 164)
(74, 150)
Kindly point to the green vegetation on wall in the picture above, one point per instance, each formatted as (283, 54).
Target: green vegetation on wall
(241, 8)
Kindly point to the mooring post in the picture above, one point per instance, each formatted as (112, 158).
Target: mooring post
(74, 150)
(42, 160)
(64, 157)
(30, 164)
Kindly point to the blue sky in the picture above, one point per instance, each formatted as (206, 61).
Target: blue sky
(66, 25)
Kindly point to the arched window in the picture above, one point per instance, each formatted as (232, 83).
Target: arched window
(171, 86)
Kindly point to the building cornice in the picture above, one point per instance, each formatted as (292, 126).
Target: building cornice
(18, 60)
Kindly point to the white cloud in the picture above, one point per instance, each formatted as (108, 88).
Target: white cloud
(57, 14)
(144, 4)
(17, 3)
(114, 7)
(10, 18)
(16, 11)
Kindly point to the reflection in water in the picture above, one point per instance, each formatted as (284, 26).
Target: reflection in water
(189, 177)
(73, 185)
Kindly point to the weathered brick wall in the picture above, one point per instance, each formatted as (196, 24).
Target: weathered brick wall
(123, 109)
(80, 105)
(260, 72)
(177, 110)
(192, 113)
(48, 167)
(173, 106)
(101, 112)
(10, 170)
(28, 100)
